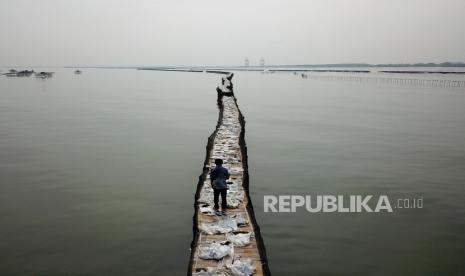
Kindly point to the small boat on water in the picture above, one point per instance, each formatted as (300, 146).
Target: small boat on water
(23, 73)
(44, 75)
(78, 72)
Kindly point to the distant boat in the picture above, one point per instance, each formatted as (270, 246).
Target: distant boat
(14, 73)
(77, 72)
(44, 75)
(24, 73)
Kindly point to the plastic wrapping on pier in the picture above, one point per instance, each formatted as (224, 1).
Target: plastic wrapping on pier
(219, 226)
(208, 210)
(216, 250)
(237, 268)
(242, 267)
(241, 239)
(240, 219)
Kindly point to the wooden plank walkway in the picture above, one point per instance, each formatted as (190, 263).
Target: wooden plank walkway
(226, 143)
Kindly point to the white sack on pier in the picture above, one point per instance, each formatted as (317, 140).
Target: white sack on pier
(208, 210)
(216, 250)
(239, 239)
(221, 226)
(242, 268)
(210, 271)
(241, 219)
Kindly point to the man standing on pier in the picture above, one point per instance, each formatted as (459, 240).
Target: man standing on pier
(218, 178)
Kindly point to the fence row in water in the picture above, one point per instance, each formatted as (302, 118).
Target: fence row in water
(445, 83)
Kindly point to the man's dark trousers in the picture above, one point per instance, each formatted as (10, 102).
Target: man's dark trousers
(216, 194)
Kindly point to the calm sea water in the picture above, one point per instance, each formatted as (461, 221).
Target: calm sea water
(98, 171)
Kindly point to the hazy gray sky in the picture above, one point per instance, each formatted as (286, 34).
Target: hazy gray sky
(216, 32)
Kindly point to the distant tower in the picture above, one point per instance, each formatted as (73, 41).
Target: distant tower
(246, 62)
(262, 62)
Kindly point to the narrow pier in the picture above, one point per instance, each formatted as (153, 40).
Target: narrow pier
(228, 244)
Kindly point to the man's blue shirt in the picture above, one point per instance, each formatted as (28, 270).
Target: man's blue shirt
(218, 177)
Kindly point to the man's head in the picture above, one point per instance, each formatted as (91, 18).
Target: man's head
(219, 162)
